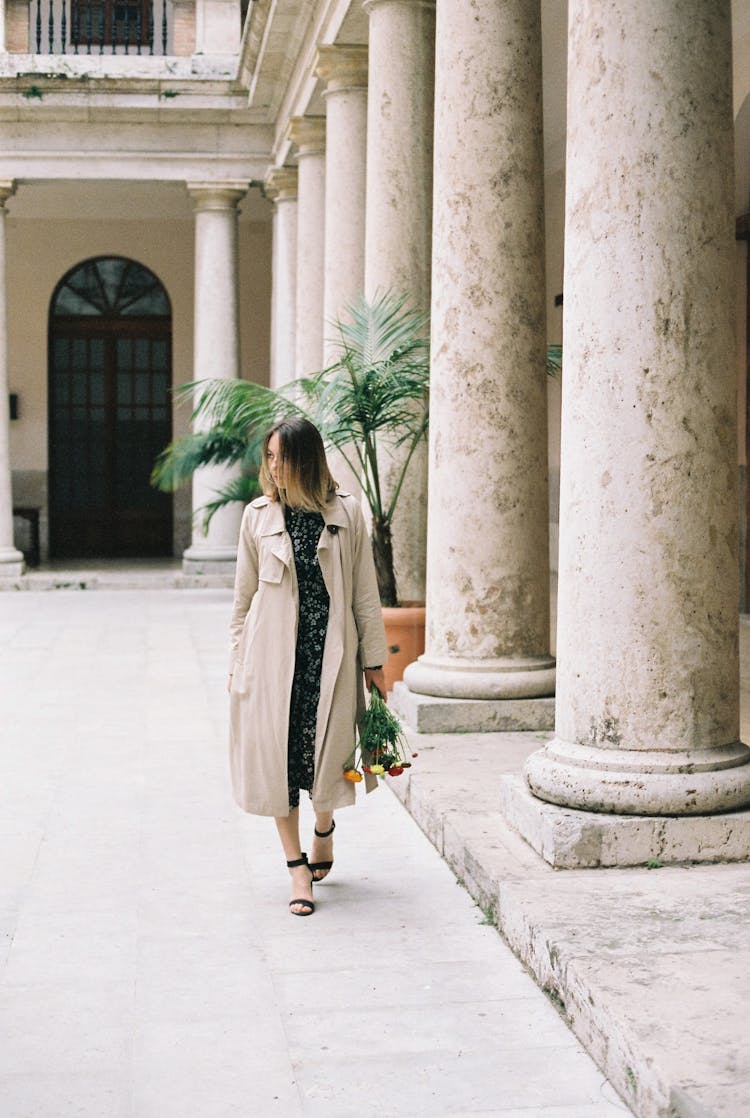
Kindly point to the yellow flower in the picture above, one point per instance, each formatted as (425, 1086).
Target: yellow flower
(353, 776)
(378, 770)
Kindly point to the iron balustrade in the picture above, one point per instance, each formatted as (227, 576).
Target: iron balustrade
(99, 27)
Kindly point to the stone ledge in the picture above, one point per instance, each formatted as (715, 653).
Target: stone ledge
(648, 966)
(90, 581)
(570, 839)
(428, 714)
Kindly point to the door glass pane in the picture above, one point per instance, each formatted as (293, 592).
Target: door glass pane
(142, 386)
(60, 351)
(80, 355)
(124, 389)
(96, 388)
(142, 353)
(79, 388)
(124, 353)
(159, 355)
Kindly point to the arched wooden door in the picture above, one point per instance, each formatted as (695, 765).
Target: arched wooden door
(110, 361)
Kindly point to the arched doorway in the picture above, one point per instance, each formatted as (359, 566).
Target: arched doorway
(110, 362)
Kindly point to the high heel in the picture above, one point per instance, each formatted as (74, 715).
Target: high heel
(309, 905)
(326, 866)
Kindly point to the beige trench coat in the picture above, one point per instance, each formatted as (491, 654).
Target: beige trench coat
(263, 638)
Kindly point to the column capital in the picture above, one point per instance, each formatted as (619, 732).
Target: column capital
(216, 195)
(281, 184)
(7, 190)
(307, 133)
(429, 5)
(341, 67)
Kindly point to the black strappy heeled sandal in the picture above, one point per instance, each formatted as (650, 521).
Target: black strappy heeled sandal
(309, 905)
(327, 866)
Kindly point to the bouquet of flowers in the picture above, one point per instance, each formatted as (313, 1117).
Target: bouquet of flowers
(382, 748)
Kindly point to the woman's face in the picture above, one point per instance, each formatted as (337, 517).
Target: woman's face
(273, 457)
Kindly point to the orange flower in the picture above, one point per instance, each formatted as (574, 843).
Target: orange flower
(352, 775)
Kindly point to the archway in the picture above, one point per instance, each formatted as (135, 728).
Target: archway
(110, 360)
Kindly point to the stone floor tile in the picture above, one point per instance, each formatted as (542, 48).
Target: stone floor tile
(71, 1029)
(443, 1080)
(154, 968)
(69, 947)
(105, 1095)
(212, 1069)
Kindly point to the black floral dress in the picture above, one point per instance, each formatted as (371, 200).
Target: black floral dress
(304, 529)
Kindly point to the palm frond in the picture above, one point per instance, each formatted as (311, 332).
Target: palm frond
(554, 360)
(244, 489)
(176, 464)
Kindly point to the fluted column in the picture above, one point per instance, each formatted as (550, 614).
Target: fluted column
(648, 687)
(343, 69)
(11, 559)
(398, 240)
(216, 354)
(281, 188)
(308, 134)
(488, 566)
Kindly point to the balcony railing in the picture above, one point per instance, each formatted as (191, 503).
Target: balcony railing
(89, 27)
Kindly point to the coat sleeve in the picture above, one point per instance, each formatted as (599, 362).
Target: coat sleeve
(368, 614)
(245, 583)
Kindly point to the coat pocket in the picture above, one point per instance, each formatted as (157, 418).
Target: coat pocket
(271, 568)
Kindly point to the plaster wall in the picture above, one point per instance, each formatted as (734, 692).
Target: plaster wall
(41, 252)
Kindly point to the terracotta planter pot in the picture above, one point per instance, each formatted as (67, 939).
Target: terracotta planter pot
(404, 632)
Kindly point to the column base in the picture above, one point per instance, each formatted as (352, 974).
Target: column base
(209, 560)
(12, 562)
(430, 714)
(641, 782)
(530, 677)
(571, 839)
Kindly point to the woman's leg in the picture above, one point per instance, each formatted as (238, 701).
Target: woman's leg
(322, 848)
(288, 828)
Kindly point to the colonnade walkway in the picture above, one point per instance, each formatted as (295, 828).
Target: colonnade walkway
(148, 964)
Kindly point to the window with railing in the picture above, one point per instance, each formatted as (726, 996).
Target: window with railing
(98, 27)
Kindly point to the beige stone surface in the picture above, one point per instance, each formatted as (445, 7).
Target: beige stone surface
(487, 578)
(149, 967)
(183, 27)
(216, 353)
(398, 232)
(16, 26)
(344, 71)
(430, 714)
(308, 134)
(281, 188)
(648, 508)
(649, 967)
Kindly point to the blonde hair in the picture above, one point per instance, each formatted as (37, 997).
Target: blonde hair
(305, 480)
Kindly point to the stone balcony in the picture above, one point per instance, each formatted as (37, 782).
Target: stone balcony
(93, 39)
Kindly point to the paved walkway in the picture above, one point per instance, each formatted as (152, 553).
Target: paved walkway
(148, 965)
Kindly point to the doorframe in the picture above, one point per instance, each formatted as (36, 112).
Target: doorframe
(113, 326)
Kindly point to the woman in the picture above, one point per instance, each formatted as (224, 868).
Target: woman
(306, 624)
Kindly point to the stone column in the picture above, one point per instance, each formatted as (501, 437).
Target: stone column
(216, 354)
(488, 571)
(281, 188)
(11, 560)
(398, 239)
(648, 689)
(308, 134)
(343, 69)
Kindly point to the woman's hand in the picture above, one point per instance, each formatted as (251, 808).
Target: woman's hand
(376, 676)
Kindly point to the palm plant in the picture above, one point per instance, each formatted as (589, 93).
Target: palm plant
(370, 401)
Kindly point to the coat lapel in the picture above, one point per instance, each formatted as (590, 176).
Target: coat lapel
(329, 547)
(274, 528)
